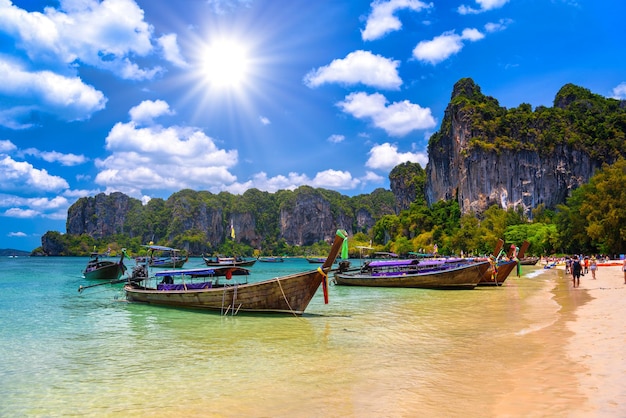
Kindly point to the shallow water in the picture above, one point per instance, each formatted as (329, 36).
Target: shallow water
(370, 352)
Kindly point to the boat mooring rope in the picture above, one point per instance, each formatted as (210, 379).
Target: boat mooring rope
(285, 297)
(234, 299)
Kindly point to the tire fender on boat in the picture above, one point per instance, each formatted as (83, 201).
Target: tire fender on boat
(229, 274)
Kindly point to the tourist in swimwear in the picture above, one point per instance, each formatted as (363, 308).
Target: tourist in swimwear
(593, 265)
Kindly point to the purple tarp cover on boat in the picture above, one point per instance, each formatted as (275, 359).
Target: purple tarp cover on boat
(187, 286)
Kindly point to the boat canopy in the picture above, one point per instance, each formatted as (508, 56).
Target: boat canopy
(201, 272)
(393, 263)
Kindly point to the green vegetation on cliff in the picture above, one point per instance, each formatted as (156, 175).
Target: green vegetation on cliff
(591, 221)
(579, 118)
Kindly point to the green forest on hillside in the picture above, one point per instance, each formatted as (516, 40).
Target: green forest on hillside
(592, 221)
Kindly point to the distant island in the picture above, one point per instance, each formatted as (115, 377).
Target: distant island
(7, 252)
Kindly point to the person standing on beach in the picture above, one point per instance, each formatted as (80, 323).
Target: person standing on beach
(593, 265)
(586, 271)
(576, 269)
(624, 269)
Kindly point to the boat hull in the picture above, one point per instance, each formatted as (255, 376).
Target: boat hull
(288, 294)
(168, 264)
(106, 270)
(246, 263)
(270, 259)
(504, 268)
(503, 271)
(462, 277)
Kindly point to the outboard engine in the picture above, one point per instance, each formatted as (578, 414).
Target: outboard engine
(343, 266)
(140, 272)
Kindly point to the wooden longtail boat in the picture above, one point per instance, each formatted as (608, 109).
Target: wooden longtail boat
(164, 257)
(228, 262)
(415, 274)
(271, 259)
(287, 294)
(503, 268)
(104, 269)
(529, 261)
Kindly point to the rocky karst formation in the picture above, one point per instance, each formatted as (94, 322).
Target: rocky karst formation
(485, 155)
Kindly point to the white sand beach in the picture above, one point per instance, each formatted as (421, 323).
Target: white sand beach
(599, 343)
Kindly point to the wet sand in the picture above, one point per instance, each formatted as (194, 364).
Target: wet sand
(577, 367)
(599, 344)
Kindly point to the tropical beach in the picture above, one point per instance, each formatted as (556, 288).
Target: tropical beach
(535, 347)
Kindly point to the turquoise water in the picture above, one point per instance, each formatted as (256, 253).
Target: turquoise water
(370, 352)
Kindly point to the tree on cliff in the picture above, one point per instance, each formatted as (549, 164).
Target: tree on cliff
(594, 218)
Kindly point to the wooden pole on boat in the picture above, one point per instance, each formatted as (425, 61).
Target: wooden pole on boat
(341, 240)
(520, 255)
(117, 281)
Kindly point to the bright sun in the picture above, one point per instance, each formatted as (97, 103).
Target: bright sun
(226, 64)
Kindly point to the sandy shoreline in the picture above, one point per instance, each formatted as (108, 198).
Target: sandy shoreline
(599, 343)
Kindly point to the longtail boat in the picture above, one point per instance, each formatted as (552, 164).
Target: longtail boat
(316, 260)
(501, 269)
(271, 259)
(430, 274)
(220, 261)
(203, 289)
(104, 269)
(529, 261)
(163, 257)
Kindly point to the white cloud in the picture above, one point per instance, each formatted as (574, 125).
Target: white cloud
(397, 119)
(68, 98)
(382, 20)
(36, 207)
(105, 35)
(16, 234)
(7, 146)
(335, 138)
(619, 92)
(334, 179)
(22, 176)
(330, 179)
(222, 7)
(76, 193)
(358, 67)
(371, 177)
(484, 5)
(264, 120)
(499, 26)
(163, 158)
(445, 45)
(386, 157)
(171, 51)
(54, 156)
(21, 213)
(145, 112)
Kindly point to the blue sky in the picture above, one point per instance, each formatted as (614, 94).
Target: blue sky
(148, 97)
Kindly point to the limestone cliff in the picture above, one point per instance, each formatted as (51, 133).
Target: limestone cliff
(308, 218)
(100, 216)
(200, 221)
(407, 182)
(485, 155)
